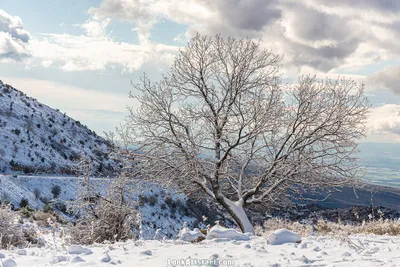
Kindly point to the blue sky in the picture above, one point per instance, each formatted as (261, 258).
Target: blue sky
(81, 55)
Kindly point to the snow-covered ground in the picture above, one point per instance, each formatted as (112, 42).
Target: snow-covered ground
(312, 251)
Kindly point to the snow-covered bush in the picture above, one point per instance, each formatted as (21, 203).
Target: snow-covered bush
(107, 217)
(10, 234)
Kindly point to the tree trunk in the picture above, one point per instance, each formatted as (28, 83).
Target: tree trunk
(237, 212)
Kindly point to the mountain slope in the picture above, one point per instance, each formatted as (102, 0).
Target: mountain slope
(35, 138)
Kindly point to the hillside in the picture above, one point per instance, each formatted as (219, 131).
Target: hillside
(35, 138)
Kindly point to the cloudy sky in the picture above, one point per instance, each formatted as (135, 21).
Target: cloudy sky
(81, 55)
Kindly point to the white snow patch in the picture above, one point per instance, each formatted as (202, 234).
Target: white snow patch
(218, 231)
(283, 236)
(189, 235)
(75, 249)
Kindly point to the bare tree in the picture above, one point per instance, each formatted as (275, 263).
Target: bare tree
(221, 121)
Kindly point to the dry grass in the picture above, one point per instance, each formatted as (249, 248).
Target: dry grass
(378, 227)
(11, 235)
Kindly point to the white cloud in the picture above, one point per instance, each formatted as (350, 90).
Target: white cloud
(95, 28)
(13, 38)
(78, 53)
(311, 33)
(385, 122)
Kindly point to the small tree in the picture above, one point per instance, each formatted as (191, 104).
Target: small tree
(37, 193)
(23, 203)
(221, 122)
(56, 191)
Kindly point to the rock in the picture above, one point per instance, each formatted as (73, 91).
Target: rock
(106, 258)
(218, 231)
(304, 259)
(22, 252)
(283, 236)
(59, 258)
(146, 252)
(76, 259)
(214, 256)
(190, 236)
(9, 263)
(75, 249)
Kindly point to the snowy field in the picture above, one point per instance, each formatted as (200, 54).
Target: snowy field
(312, 251)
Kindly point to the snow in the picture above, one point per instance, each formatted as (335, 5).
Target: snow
(237, 208)
(218, 231)
(9, 263)
(189, 235)
(283, 236)
(43, 139)
(75, 249)
(371, 250)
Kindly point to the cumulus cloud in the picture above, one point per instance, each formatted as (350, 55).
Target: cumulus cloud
(13, 38)
(95, 28)
(95, 50)
(322, 34)
(78, 53)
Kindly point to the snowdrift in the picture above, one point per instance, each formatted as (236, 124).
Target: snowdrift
(221, 232)
(283, 236)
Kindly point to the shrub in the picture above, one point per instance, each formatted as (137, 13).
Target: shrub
(24, 203)
(153, 201)
(26, 212)
(143, 200)
(378, 227)
(16, 131)
(56, 191)
(47, 208)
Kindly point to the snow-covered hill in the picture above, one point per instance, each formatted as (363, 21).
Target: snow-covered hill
(35, 138)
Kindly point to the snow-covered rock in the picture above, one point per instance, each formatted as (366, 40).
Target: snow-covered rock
(189, 235)
(75, 249)
(106, 258)
(76, 259)
(58, 258)
(146, 252)
(283, 236)
(22, 252)
(218, 231)
(9, 263)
